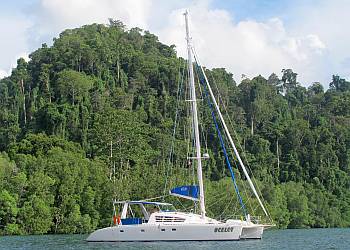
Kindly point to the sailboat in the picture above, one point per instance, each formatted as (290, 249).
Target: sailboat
(162, 222)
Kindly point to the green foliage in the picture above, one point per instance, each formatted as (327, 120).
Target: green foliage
(97, 84)
(8, 205)
(278, 205)
(35, 215)
(73, 86)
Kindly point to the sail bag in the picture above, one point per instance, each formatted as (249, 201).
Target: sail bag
(187, 192)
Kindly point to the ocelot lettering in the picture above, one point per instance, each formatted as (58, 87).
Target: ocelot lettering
(223, 229)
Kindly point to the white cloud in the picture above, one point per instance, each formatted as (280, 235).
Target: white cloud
(316, 43)
(309, 43)
(329, 21)
(246, 47)
(3, 73)
(13, 40)
(13, 64)
(56, 15)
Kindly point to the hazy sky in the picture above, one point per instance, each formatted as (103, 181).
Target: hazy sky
(248, 37)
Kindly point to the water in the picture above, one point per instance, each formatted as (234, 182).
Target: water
(273, 239)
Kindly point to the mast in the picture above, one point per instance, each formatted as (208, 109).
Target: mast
(231, 141)
(195, 119)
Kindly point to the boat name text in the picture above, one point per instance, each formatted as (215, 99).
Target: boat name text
(223, 229)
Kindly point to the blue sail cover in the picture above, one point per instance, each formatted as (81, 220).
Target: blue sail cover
(187, 192)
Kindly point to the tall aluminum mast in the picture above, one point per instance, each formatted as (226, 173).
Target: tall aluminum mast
(195, 119)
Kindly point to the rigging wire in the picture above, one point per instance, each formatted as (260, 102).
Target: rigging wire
(224, 149)
(237, 141)
(178, 94)
(268, 215)
(190, 143)
(202, 115)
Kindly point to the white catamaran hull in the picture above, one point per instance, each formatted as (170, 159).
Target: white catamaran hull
(154, 232)
(252, 232)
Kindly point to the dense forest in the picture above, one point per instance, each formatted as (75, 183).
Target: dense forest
(102, 83)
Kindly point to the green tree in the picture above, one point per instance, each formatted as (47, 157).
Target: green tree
(73, 86)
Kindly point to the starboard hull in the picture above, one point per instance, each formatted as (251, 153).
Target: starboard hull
(144, 232)
(252, 232)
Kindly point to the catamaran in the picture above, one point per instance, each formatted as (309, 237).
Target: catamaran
(162, 222)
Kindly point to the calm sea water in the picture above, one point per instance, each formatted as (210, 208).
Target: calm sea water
(273, 239)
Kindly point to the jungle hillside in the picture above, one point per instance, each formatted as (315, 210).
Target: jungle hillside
(60, 111)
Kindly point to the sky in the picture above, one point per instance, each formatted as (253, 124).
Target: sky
(247, 37)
